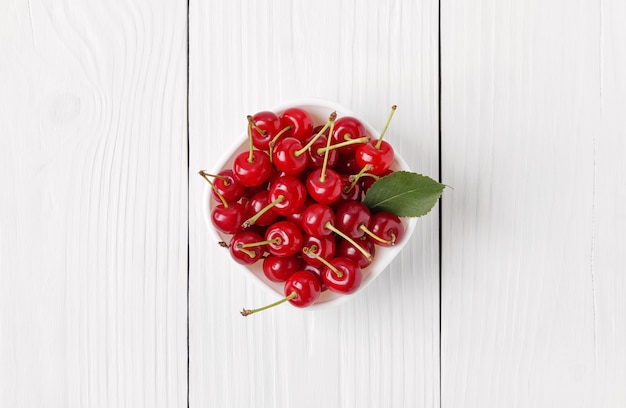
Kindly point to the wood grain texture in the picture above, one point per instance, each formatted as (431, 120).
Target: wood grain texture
(93, 207)
(533, 309)
(381, 349)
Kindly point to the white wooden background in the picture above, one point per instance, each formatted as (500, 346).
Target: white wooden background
(113, 295)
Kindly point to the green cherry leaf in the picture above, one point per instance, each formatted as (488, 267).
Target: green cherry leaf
(404, 194)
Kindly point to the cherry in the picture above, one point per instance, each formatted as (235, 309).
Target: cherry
(228, 219)
(378, 154)
(341, 275)
(280, 268)
(347, 250)
(245, 248)
(224, 184)
(256, 204)
(346, 128)
(324, 187)
(252, 168)
(323, 246)
(306, 285)
(299, 121)
(385, 229)
(379, 158)
(283, 238)
(351, 218)
(293, 191)
(289, 157)
(286, 195)
(265, 125)
(302, 289)
(315, 218)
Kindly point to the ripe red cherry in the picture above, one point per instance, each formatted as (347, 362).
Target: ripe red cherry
(377, 154)
(315, 218)
(245, 248)
(300, 122)
(286, 195)
(280, 268)
(252, 172)
(288, 156)
(379, 158)
(352, 217)
(322, 246)
(265, 125)
(306, 286)
(324, 190)
(283, 238)
(258, 202)
(293, 192)
(346, 128)
(228, 219)
(386, 229)
(342, 275)
(302, 289)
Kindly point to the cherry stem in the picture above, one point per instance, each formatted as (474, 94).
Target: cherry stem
(250, 155)
(355, 178)
(206, 177)
(250, 221)
(380, 139)
(325, 163)
(331, 227)
(275, 241)
(251, 254)
(254, 125)
(363, 228)
(323, 150)
(275, 139)
(331, 119)
(311, 252)
(246, 312)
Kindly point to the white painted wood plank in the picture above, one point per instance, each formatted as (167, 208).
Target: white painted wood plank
(93, 207)
(381, 349)
(533, 311)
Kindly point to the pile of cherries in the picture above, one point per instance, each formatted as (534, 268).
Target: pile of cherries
(293, 201)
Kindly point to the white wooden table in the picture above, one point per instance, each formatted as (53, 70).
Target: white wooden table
(510, 294)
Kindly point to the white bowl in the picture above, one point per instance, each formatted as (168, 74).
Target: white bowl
(319, 111)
